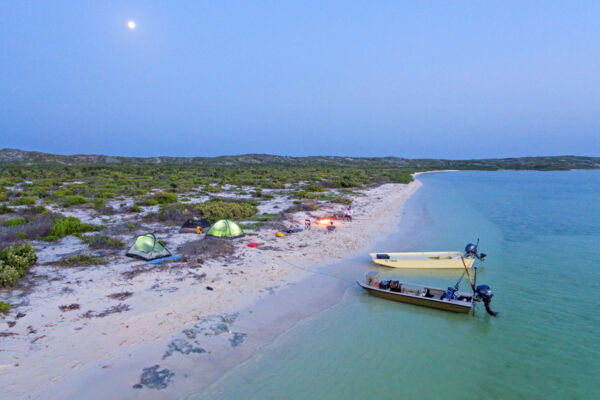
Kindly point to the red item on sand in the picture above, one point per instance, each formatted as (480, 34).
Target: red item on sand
(253, 244)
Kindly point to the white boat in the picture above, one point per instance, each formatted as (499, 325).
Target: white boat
(429, 259)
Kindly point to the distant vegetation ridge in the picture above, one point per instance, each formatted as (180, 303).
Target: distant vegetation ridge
(14, 156)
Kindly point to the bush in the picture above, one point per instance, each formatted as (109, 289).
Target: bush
(165, 198)
(314, 188)
(102, 242)
(14, 222)
(216, 210)
(74, 200)
(98, 203)
(69, 226)
(21, 236)
(24, 201)
(4, 209)
(135, 208)
(4, 307)
(15, 261)
(213, 189)
(82, 260)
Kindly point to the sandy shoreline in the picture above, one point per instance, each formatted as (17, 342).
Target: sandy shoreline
(171, 319)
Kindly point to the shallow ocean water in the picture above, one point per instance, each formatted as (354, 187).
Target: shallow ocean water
(541, 231)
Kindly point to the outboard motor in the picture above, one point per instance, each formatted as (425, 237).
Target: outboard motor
(485, 294)
(471, 251)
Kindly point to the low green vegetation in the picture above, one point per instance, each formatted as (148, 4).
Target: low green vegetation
(218, 209)
(70, 226)
(15, 261)
(4, 209)
(82, 260)
(73, 200)
(14, 221)
(23, 201)
(4, 307)
(102, 242)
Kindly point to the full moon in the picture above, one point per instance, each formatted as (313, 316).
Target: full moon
(131, 24)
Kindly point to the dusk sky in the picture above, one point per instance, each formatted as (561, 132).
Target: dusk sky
(439, 79)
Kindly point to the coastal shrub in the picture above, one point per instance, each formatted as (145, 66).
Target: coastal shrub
(102, 242)
(165, 198)
(131, 227)
(314, 188)
(216, 210)
(74, 200)
(4, 307)
(342, 200)
(14, 222)
(71, 225)
(135, 208)
(4, 209)
(60, 193)
(82, 260)
(23, 201)
(21, 236)
(98, 203)
(15, 261)
(213, 189)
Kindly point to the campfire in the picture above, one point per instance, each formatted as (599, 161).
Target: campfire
(324, 221)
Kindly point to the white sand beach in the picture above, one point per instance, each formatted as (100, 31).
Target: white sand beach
(130, 310)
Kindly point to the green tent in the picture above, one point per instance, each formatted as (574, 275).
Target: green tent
(146, 247)
(225, 228)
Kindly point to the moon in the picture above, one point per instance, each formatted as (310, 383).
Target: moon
(131, 24)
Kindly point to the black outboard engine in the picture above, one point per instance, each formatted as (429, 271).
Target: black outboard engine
(471, 251)
(485, 294)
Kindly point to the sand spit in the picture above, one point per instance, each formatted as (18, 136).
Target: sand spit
(84, 322)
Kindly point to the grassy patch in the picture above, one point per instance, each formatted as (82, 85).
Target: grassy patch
(82, 260)
(4, 307)
(71, 225)
(4, 209)
(14, 222)
(102, 242)
(24, 201)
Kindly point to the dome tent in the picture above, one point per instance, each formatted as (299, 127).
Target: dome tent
(225, 228)
(192, 224)
(146, 247)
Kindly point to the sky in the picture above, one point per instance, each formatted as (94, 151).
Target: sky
(415, 79)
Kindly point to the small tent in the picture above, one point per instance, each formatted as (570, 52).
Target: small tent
(146, 247)
(225, 228)
(192, 224)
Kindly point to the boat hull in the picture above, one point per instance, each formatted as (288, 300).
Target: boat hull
(423, 260)
(462, 307)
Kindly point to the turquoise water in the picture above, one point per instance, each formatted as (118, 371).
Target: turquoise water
(541, 231)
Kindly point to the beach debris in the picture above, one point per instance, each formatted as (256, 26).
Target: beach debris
(31, 330)
(152, 378)
(11, 323)
(20, 315)
(37, 338)
(209, 288)
(120, 296)
(70, 307)
(5, 334)
(253, 244)
(115, 309)
(237, 339)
